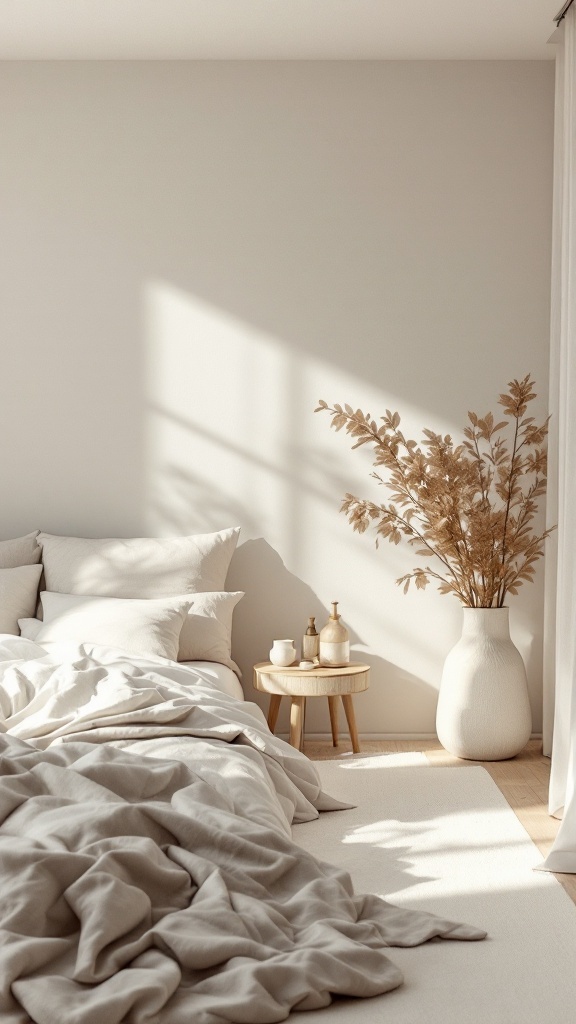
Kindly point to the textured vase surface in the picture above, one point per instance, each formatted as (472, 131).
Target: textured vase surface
(483, 706)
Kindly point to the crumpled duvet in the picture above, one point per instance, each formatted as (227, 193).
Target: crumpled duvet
(138, 889)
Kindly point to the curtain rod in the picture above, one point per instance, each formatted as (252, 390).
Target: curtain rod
(562, 14)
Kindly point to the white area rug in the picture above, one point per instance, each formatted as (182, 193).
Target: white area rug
(446, 841)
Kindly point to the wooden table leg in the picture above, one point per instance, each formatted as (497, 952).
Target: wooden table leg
(351, 719)
(273, 709)
(333, 705)
(297, 721)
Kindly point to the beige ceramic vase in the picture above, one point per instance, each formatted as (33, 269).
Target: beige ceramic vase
(334, 642)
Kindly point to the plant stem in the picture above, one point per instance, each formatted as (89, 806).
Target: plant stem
(511, 482)
(416, 533)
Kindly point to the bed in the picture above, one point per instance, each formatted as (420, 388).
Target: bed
(147, 867)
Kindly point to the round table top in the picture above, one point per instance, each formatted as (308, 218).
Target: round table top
(319, 670)
(321, 681)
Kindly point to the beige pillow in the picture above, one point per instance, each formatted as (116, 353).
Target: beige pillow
(147, 628)
(137, 567)
(207, 631)
(20, 551)
(18, 595)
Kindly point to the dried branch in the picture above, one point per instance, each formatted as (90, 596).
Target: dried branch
(471, 506)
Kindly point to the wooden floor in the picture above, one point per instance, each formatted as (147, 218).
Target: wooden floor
(523, 780)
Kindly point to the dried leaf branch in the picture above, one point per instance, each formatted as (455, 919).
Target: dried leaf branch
(470, 506)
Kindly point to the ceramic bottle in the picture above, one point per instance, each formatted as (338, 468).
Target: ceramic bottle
(334, 642)
(310, 641)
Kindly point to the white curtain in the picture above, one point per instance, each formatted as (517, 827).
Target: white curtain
(560, 622)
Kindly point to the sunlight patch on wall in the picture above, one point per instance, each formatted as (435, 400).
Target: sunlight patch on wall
(218, 418)
(232, 434)
(232, 438)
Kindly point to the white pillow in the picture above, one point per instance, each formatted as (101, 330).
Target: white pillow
(20, 551)
(207, 631)
(147, 628)
(138, 566)
(18, 595)
(29, 628)
(206, 634)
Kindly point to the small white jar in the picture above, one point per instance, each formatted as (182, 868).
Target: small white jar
(283, 653)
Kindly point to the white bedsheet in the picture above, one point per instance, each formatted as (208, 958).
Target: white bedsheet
(223, 678)
(166, 887)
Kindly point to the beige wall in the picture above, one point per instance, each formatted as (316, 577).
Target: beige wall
(193, 254)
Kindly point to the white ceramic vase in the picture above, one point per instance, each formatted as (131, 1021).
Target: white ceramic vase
(483, 707)
(283, 653)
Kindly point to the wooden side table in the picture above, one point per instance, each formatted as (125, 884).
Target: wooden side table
(299, 684)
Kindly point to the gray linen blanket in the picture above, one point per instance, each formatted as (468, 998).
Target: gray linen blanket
(145, 890)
